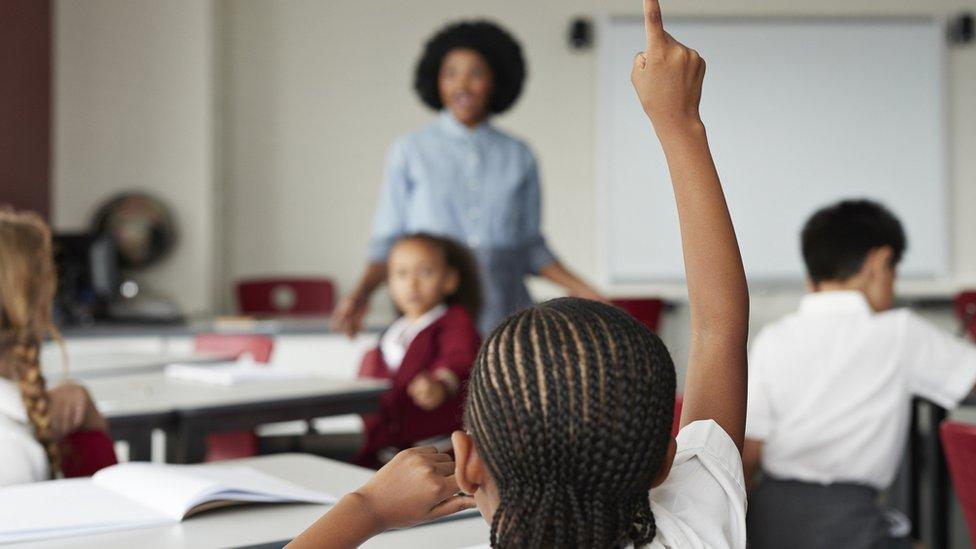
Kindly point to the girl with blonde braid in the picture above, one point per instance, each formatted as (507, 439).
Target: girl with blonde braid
(33, 419)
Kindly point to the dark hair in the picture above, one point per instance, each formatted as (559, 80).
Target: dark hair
(570, 405)
(459, 258)
(837, 238)
(500, 50)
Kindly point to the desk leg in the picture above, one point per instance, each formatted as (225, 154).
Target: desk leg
(939, 478)
(139, 439)
(187, 445)
(914, 473)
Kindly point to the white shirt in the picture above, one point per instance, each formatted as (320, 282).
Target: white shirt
(397, 339)
(702, 503)
(22, 458)
(830, 387)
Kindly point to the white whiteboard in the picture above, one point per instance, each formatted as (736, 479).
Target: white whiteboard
(800, 113)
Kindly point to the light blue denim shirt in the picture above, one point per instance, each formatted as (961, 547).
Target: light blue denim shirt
(478, 186)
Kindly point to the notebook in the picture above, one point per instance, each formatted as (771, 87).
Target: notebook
(136, 495)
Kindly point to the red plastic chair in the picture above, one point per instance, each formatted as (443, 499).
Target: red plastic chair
(234, 444)
(959, 444)
(286, 296)
(645, 309)
(966, 313)
(84, 453)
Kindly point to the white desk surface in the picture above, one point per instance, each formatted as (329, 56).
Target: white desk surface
(153, 392)
(270, 523)
(89, 365)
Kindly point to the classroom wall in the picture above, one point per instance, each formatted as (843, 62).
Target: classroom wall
(25, 104)
(133, 110)
(315, 92)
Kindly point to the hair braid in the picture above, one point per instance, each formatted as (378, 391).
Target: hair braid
(27, 286)
(33, 392)
(570, 406)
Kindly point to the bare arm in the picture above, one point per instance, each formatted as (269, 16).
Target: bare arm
(668, 77)
(417, 486)
(348, 316)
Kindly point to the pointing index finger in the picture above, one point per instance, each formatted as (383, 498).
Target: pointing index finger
(653, 25)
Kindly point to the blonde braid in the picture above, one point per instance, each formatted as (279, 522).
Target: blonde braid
(28, 282)
(33, 392)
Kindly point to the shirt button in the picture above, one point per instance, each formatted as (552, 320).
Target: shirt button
(473, 185)
(474, 241)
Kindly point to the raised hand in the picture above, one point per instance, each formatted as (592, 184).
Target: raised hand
(667, 75)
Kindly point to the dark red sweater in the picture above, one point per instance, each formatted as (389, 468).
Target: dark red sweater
(450, 342)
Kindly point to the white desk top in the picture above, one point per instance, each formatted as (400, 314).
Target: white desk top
(269, 523)
(153, 393)
(90, 365)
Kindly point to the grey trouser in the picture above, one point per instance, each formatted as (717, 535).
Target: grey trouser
(799, 515)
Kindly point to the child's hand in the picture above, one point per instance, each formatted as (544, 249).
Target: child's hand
(667, 75)
(427, 392)
(72, 409)
(416, 486)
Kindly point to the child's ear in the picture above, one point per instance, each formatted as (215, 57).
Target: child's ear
(662, 473)
(451, 282)
(879, 260)
(469, 469)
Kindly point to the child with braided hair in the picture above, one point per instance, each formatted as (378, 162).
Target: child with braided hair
(569, 410)
(33, 419)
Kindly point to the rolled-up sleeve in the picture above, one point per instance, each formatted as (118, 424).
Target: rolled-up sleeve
(539, 254)
(390, 221)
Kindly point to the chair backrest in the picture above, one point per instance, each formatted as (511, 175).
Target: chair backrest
(84, 453)
(286, 296)
(966, 313)
(959, 444)
(259, 346)
(645, 309)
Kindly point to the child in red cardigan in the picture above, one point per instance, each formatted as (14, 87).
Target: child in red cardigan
(428, 352)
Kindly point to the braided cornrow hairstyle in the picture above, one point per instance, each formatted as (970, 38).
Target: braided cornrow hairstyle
(27, 287)
(570, 404)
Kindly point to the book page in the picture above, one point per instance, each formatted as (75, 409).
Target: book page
(175, 490)
(68, 508)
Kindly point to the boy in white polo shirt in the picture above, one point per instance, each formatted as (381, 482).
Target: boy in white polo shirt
(830, 389)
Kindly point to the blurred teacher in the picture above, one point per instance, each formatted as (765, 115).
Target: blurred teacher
(462, 178)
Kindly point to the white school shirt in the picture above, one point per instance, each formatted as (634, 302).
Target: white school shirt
(22, 458)
(397, 339)
(830, 387)
(702, 503)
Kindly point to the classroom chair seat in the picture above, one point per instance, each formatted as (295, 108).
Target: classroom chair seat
(234, 444)
(287, 296)
(965, 306)
(646, 310)
(959, 444)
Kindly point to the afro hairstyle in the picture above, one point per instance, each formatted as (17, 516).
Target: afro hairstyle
(499, 48)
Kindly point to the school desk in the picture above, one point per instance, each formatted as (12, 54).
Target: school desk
(276, 524)
(188, 411)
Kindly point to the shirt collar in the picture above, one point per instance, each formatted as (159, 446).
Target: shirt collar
(840, 301)
(456, 129)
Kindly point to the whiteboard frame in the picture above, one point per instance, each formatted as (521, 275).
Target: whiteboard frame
(604, 23)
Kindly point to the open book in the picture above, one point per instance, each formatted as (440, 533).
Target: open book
(136, 495)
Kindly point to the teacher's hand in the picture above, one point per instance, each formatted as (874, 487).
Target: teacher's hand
(348, 315)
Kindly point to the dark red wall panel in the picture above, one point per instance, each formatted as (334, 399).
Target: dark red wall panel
(25, 104)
